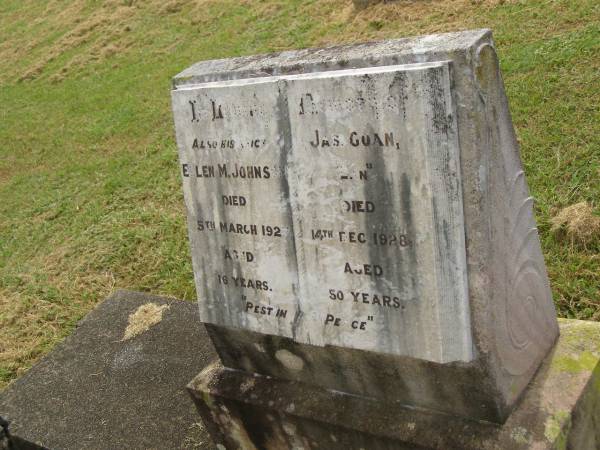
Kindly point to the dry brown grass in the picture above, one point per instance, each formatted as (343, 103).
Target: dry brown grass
(89, 35)
(99, 32)
(143, 318)
(33, 317)
(578, 224)
(413, 17)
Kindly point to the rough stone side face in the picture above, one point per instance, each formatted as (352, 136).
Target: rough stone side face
(512, 314)
(236, 425)
(454, 388)
(521, 305)
(560, 410)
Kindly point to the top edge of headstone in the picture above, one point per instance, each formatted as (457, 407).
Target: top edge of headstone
(328, 58)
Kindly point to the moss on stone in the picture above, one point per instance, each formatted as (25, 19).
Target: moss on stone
(579, 350)
(557, 428)
(208, 399)
(578, 331)
(586, 361)
(514, 388)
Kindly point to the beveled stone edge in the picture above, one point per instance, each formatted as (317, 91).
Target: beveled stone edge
(345, 56)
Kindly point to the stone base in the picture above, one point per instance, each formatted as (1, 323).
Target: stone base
(98, 391)
(560, 409)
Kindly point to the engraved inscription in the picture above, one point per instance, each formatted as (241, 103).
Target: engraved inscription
(239, 214)
(327, 207)
(375, 194)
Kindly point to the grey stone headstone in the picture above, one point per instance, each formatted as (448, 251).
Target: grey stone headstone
(365, 207)
(347, 197)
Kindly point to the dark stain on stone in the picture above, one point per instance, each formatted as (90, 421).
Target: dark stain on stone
(398, 89)
(409, 221)
(284, 130)
(434, 87)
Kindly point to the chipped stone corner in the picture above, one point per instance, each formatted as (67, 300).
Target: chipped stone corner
(223, 421)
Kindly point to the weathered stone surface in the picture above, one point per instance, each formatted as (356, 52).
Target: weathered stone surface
(475, 314)
(98, 391)
(358, 202)
(560, 410)
(375, 162)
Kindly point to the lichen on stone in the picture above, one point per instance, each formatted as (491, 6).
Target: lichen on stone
(246, 385)
(520, 435)
(580, 351)
(586, 361)
(556, 429)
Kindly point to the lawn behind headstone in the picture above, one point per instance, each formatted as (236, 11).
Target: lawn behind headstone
(90, 195)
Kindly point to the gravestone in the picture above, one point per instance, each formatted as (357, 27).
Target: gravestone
(360, 222)
(320, 229)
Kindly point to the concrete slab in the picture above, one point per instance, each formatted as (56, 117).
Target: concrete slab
(98, 391)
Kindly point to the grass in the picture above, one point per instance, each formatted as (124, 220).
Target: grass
(90, 196)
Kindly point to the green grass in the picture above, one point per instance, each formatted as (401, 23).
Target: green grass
(90, 196)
